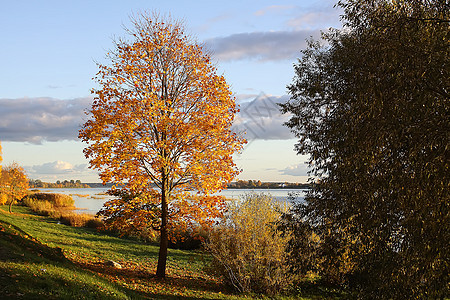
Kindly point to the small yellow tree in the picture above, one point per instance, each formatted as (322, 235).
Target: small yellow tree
(160, 126)
(14, 183)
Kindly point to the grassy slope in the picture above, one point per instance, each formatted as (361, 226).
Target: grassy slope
(42, 259)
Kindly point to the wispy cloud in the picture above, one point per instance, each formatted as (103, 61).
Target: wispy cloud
(263, 46)
(213, 21)
(51, 86)
(35, 120)
(273, 9)
(314, 19)
(296, 170)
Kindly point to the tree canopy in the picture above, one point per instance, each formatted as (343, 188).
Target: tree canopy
(13, 184)
(162, 116)
(371, 108)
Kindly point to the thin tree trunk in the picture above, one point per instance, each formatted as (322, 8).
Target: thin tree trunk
(10, 205)
(164, 237)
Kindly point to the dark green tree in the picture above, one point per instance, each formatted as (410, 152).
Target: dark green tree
(371, 108)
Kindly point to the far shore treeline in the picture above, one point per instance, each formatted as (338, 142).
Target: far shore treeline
(240, 184)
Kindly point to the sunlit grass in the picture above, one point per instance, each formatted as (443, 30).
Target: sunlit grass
(85, 253)
(40, 258)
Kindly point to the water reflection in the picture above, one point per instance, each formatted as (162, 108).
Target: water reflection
(91, 200)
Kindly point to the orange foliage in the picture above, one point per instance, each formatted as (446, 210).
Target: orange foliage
(160, 125)
(14, 183)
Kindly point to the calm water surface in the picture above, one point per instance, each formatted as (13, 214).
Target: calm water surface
(91, 200)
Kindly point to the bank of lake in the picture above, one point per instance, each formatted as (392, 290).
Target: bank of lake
(91, 200)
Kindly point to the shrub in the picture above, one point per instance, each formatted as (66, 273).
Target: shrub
(248, 250)
(94, 223)
(189, 239)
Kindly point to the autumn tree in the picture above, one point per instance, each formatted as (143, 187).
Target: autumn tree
(160, 126)
(371, 108)
(13, 183)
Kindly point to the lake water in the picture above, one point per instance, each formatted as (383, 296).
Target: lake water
(91, 200)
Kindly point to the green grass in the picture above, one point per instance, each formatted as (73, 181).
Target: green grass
(32, 270)
(41, 259)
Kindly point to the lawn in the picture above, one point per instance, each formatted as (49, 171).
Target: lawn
(40, 258)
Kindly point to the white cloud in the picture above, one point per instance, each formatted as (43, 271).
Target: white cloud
(35, 120)
(57, 167)
(61, 170)
(263, 46)
(296, 170)
(302, 22)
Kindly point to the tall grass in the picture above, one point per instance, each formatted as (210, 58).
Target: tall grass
(57, 200)
(60, 206)
(80, 220)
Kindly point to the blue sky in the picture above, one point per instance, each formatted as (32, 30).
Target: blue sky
(49, 52)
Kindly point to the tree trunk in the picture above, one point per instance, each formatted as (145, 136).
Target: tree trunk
(164, 237)
(10, 205)
(163, 245)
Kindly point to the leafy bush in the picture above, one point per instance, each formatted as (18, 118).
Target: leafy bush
(248, 250)
(188, 239)
(94, 223)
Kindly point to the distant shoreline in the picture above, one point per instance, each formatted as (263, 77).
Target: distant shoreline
(237, 185)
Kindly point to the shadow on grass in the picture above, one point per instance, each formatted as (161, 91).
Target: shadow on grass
(16, 245)
(32, 270)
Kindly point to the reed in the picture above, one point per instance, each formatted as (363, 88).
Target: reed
(57, 200)
(80, 220)
(60, 206)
